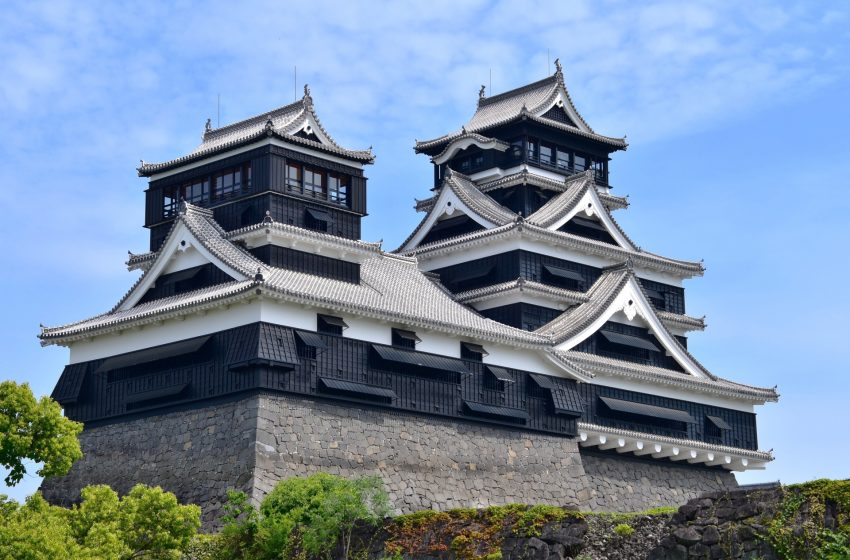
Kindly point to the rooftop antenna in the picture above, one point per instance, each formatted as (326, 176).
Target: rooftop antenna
(218, 111)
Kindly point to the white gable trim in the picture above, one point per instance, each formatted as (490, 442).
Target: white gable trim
(631, 302)
(562, 100)
(180, 241)
(446, 205)
(590, 206)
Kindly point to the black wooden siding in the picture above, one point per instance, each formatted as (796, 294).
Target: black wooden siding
(511, 265)
(522, 315)
(300, 261)
(596, 344)
(262, 357)
(268, 176)
(177, 283)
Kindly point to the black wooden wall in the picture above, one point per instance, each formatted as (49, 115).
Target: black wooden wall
(269, 357)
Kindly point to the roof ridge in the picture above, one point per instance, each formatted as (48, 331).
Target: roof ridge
(519, 90)
(215, 132)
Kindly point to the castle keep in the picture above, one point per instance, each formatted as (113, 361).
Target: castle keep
(517, 347)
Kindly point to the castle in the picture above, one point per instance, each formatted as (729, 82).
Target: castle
(517, 347)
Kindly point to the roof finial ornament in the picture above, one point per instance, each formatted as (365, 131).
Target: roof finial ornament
(208, 126)
(463, 129)
(559, 70)
(258, 277)
(269, 126)
(520, 219)
(267, 219)
(308, 99)
(482, 92)
(182, 207)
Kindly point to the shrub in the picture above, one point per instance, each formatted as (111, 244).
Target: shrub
(624, 530)
(304, 515)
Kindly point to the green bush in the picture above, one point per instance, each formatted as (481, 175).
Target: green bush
(624, 530)
(304, 516)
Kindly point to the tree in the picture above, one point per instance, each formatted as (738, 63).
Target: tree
(147, 524)
(36, 430)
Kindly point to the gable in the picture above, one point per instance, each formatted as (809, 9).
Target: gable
(588, 218)
(182, 251)
(628, 325)
(558, 114)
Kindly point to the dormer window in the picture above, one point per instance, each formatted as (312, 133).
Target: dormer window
(317, 219)
(472, 351)
(405, 339)
(328, 324)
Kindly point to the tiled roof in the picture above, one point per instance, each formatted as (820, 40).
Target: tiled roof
(480, 138)
(527, 178)
(477, 202)
(283, 122)
(640, 258)
(392, 288)
(599, 298)
(199, 221)
(525, 102)
(523, 286)
(642, 372)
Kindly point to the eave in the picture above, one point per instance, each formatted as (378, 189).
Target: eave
(673, 449)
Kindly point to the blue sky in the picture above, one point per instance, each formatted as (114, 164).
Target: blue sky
(736, 113)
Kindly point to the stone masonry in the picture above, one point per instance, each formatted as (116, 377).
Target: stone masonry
(425, 461)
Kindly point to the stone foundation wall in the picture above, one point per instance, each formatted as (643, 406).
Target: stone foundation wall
(196, 454)
(625, 483)
(426, 462)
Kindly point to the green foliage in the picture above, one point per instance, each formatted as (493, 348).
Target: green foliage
(531, 521)
(148, 524)
(798, 530)
(304, 516)
(35, 430)
(624, 530)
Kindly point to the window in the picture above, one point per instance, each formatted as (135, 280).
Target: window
(563, 159)
(547, 154)
(231, 182)
(293, 176)
(580, 163)
(313, 183)
(472, 351)
(532, 149)
(405, 339)
(328, 324)
(599, 170)
(338, 185)
(317, 183)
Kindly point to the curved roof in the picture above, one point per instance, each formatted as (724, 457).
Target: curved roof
(283, 123)
(529, 101)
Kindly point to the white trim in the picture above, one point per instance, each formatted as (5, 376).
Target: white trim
(180, 239)
(254, 145)
(464, 143)
(552, 302)
(447, 204)
(564, 102)
(632, 303)
(673, 449)
(591, 205)
(305, 243)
